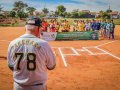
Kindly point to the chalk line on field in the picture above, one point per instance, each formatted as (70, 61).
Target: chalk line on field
(85, 48)
(104, 44)
(108, 53)
(63, 58)
(76, 53)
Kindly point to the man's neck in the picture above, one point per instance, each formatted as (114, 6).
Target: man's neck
(29, 32)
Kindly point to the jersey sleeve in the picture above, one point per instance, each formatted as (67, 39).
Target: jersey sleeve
(10, 58)
(51, 60)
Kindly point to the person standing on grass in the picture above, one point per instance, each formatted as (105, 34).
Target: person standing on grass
(29, 57)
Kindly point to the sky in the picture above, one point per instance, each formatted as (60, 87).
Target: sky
(92, 5)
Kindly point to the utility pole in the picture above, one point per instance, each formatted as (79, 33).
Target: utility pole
(45, 4)
(109, 8)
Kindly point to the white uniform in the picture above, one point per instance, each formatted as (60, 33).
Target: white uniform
(30, 57)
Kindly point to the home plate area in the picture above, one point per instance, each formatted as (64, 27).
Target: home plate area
(66, 52)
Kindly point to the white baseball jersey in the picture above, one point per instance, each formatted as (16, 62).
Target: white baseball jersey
(30, 57)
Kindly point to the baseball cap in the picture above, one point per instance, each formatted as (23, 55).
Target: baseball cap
(33, 20)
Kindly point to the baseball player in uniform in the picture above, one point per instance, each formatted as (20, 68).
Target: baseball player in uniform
(29, 58)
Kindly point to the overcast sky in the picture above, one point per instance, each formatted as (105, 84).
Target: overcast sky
(92, 5)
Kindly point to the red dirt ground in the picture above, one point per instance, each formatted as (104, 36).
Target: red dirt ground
(84, 72)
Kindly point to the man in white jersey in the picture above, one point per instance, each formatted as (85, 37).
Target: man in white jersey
(29, 58)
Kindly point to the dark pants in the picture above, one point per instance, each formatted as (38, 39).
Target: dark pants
(64, 30)
(112, 34)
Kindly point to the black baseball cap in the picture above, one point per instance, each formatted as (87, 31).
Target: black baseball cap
(33, 20)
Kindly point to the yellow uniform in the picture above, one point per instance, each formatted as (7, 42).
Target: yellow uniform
(80, 26)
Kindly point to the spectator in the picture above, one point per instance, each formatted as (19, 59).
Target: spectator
(44, 25)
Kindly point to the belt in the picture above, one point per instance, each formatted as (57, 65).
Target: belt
(37, 84)
(30, 85)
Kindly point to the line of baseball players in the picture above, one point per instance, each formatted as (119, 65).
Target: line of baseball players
(105, 28)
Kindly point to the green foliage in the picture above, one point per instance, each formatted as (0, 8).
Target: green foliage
(116, 21)
(108, 11)
(20, 7)
(30, 10)
(45, 10)
(74, 14)
(42, 15)
(12, 14)
(2, 16)
(104, 15)
(22, 14)
(77, 14)
(60, 10)
(68, 15)
(82, 14)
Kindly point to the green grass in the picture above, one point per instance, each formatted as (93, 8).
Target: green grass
(116, 21)
(5, 25)
(13, 25)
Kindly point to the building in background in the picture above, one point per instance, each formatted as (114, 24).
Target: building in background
(114, 15)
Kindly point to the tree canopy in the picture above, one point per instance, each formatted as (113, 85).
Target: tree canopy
(30, 10)
(60, 10)
(45, 10)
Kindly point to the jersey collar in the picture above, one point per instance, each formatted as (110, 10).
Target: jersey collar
(27, 36)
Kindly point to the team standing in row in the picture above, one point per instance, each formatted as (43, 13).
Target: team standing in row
(105, 28)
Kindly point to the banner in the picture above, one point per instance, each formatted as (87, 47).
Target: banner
(48, 36)
(85, 35)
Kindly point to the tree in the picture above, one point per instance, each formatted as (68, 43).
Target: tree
(45, 10)
(22, 14)
(67, 14)
(76, 10)
(30, 10)
(12, 14)
(82, 14)
(74, 14)
(60, 10)
(104, 15)
(101, 13)
(108, 11)
(20, 7)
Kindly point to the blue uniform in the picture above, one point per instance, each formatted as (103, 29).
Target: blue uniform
(93, 26)
(98, 26)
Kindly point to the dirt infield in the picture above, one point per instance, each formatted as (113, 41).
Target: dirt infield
(81, 65)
